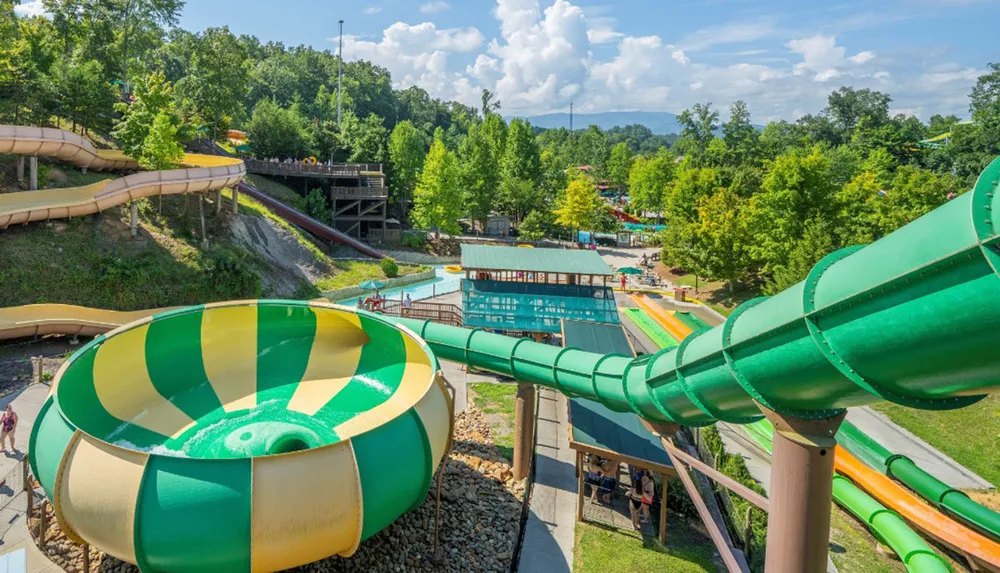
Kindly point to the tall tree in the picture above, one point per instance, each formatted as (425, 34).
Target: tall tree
(521, 170)
(438, 196)
(579, 205)
(847, 106)
(277, 132)
(161, 150)
(218, 79)
(698, 127)
(740, 135)
(619, 165)
(721, 228)
(648, 180)
(406, 157)
(153, 96)
(480, 174)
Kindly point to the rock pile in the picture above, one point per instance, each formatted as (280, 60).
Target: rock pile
(479, 520)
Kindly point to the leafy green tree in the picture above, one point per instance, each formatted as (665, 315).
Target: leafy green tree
(648, 180)
(939, 125)
(521, 170)
(407, 150)
(218, 79)
(153, 96)
(690, 185)
(593, 145)
(536, 225)
(816, 243)
(579, 205)
(368, 139)
(721, 230)
(698, 127)
(740, 135)
(317, 206)
(161, 150)
(620, 165)
(438, 196)
(848, 106)
(857, 217)
(914, 193)
(276, 132)
(480, 174)
(86, 96)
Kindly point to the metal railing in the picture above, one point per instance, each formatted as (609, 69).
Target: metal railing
(438, 312)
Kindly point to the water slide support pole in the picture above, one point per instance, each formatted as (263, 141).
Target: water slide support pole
(524, 429)
(33, 173)
(20, 169)
(798, 530)
(236, 200)
(218, 202)
(134, 218)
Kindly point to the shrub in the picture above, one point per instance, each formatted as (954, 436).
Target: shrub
(233, 272)
(414, 240)
(317, 206)
(389, 267)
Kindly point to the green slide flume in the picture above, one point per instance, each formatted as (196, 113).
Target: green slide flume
(886, 525)
(650, 327)
(901, 468)
(910, 319)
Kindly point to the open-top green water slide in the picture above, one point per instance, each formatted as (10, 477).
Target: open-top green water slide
(944, 497)
(886, 525)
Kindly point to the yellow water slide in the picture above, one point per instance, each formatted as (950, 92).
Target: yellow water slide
(198, 173)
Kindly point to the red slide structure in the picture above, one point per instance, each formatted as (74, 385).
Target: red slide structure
(622, 215)
(300, 219)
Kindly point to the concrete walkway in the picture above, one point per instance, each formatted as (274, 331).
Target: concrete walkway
(551, 527)
(900, 441)
(13, 499)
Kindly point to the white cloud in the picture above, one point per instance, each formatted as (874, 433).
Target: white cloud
(434, 6)
(32, 8)
(730, 33)
(546, 55)
(373, 10)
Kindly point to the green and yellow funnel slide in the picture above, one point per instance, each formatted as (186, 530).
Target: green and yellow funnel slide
(241, 436)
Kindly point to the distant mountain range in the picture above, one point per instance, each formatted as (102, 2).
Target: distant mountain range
(659, 122)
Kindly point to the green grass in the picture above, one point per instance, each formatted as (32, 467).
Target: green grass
(278, 191)
(353, 273)
(497, 402)
(970, 435)
(600, 549)
(91, 261)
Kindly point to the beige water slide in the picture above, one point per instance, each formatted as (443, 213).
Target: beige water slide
(198, 174)
(42, 319)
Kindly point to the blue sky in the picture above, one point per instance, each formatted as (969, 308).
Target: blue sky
(783, 57)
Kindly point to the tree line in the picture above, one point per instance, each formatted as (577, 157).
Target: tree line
(744, 205)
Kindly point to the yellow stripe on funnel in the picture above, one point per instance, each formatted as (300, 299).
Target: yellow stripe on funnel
(333, 360)
(97, 492)
(434, 410)
(229, 352)
(306, 505)
(125, 390)
(417, 377)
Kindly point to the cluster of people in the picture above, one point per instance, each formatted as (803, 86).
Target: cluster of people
(602, 475)
(375, 302)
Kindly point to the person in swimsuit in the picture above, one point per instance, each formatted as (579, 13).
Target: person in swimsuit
(8, 423)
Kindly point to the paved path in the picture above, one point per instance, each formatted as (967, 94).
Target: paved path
(13, 498)
(900, 441)
(551, 528)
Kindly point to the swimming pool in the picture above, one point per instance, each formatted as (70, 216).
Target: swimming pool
(443, 283)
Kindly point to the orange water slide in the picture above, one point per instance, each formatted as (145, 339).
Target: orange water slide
(983, 551)
(669, 322)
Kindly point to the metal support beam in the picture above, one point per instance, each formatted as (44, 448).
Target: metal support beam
(134, 219)
(33, 173)
(218, 202)
(524, 429)
(236, 200)
(798, 524)
(20, 169)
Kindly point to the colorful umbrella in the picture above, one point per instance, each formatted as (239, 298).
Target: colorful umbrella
(630, 271)
(372, 285)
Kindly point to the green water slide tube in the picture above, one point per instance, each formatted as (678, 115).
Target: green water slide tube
(650, 327)
(886, 525)
(910, 319)
(946, 498)
(690, 320)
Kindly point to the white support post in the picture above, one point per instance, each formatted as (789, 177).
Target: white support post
(134, 219)
(33, 175)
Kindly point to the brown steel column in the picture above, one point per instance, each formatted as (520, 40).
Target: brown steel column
(798, 524)
(524, 429)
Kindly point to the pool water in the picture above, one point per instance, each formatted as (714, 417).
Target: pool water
(443, 283)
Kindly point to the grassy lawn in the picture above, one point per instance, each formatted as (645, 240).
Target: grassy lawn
(92, 262)
(600, 549)
(353, 273)
(278, 191)
(970, 436)
(497, 402)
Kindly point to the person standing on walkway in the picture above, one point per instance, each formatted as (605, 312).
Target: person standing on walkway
(406, 304)
(8, 423)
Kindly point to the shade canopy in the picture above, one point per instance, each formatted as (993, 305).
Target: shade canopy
(630, 271)
(372, 285)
